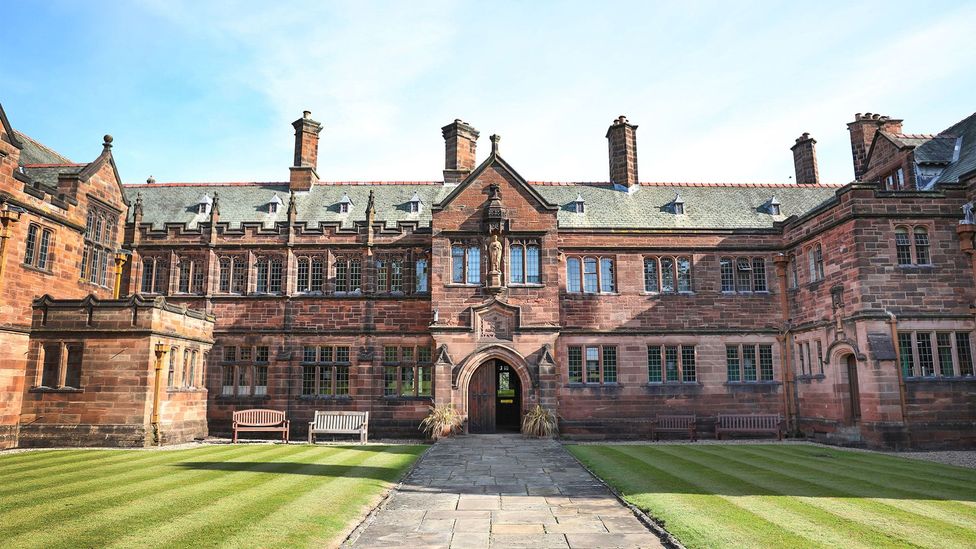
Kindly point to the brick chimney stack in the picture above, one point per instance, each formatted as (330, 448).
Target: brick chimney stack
(622, 140)
(805, 160)
(460, 145)
(303, 172)
(862, 130)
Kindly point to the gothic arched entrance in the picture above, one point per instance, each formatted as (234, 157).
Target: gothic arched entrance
(494, 398)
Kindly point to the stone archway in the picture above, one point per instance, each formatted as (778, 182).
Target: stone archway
(844, 356)
(503, 354)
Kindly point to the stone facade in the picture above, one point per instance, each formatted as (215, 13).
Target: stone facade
(845, 308)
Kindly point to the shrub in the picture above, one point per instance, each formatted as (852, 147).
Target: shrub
(539, 422)
(441, 422)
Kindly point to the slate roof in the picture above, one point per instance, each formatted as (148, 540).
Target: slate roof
(965, 129)
(35, 152)
(707, 206)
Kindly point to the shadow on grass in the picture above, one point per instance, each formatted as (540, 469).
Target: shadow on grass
(295, 468)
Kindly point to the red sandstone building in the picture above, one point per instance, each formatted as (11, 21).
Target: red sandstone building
(845, 308)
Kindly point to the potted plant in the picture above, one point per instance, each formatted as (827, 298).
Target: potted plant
(539, 422)
(441, 422)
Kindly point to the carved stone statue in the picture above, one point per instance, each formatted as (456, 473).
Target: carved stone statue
(495, 254)
(967, 214)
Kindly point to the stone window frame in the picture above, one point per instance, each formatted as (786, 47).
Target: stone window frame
(37, 248)
(470, 260)
(421, 273)
(315, 361)
(674, 274)
(682, 353)
(315, 275)
(415, 360)
(960, 353)
(65, 371)
(191, 275)
(344, 262)
(794, 280)
(274, 279)
(733, 281)
(895, 180)
(602, 283)
(916, 245)
(815, 262)
(763, 369)
(159, 277)
(388, 279)
(607, 374)
(246, 365)
(235, 267)
(98, 246)
(522, 246)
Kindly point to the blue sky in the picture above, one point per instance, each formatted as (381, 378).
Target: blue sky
(720, 90)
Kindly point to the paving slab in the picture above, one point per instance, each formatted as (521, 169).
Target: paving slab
(488, 491)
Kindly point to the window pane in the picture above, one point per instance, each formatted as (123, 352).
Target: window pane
(593, 365)
(274, 284)
(732, 362)
(342, 355)
(575, 360)
(51, 373)
(457, 265)
(31, 243)
(355, 275)
(650, 275)
(317, 277)
(818, 254)
(262, 283)
(749, 363)
(243, 387)
(185, 276)
(342, 380)
(667, 275)
(424, 383)
(688, 370)
(308, 354)
(304, 273)
(903, 247)
(654, 364)
(589, 275)
(684, 274)
(382, 275)
(606, 274)
(921, 246)
(533, 265)
(390, 354)
(42, 252)
(325, 380)
(224, 275)
(759, 274)
(728, 280)
(573, 275)
(794, 273)
(147, 274)
(325, 353)
(943, 341)
(766, 362)
(609, 364)
(964, 353)
(390, 381)
(925, 358)
(260, 380)
(671, 362)
(342, 275)
(308, 380)
(406, 381)
(743, 275)
(423, 355)
(421, 276)
(820, 357)
(515, 265)
(239, 276)
(474, 265)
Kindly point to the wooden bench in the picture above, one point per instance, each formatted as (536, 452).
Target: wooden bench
(675, 424)
(749, 424)
(339, 423)
(261, 420)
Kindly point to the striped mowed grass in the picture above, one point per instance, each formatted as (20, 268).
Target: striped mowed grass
(791, 495)
(212, 496)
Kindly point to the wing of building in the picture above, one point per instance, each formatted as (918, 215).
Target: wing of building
(845, 309)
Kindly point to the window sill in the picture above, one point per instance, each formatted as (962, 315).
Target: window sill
(186, 390)
(575, 385)
(325, 397)
(244, 398)
(42, 389)
(463, 285)
(752, 383)
(938, 379)
(674, 384)
(527, 285)
(743, 292)
(396, 398)
(810, 377)
(591, 294)
(920, 267)
(673, 387)
(37, 269)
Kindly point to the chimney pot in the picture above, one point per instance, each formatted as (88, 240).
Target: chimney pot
(862, 131)
(460, 148)
(306, 114)
(303, 171)
(622, 143)
(805, 160)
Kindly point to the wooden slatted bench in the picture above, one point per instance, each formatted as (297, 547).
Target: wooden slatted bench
(261, 420)
(339, 423)
(675, 424)
(749, 424)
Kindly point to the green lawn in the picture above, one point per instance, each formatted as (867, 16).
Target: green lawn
(791, 495)
(213, 496)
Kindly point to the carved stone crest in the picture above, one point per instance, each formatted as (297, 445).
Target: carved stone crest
(495, 325)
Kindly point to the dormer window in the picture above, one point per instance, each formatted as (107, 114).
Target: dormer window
(274, 204)
(204, 204)
(772, 207)
(415, 203)
(678, 205)
(579, 206)
(344, 204)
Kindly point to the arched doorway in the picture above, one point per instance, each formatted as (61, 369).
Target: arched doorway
(853, 391)
(494, 398)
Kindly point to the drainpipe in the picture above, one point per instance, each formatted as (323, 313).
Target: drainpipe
(8, 214)
(120, 258)
(893, 324)
(790, 402)
(154, 418)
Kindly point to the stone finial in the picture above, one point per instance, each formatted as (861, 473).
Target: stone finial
(495, 139)
(107, 141)
(150, 180)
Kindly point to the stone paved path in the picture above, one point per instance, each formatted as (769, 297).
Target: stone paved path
(501, 491)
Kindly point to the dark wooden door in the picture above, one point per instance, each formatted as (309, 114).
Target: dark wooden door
(481, 399)
(855, 392)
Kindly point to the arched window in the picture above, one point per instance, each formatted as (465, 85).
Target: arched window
(815, 258)
(794, 273)
(922, 246)
(269, 275)
(727, 274)
(667, 275)
(348, 275)
(155, 275)
(310, 275)
(573, 281)
(191, 276)
(651, 282)
(422, 276)
(903, 246)
(524, 263)
(684, 274)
